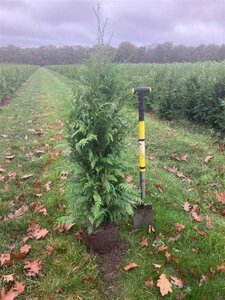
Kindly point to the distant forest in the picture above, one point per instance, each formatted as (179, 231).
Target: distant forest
(126, 52)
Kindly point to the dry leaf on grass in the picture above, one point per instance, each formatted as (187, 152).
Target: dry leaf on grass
(198, 218)
(156, 266)
(5, 259)
(33, 268)
(130, 266)
(25, 249)
(24, 177)
(180, 227)
(8, 278)
(186, 206)
(176, 281)
(175, 238)
(144, 242)
(208, 158)
(221, 197)
(39, 208)
(164, 285)
(14, 291)
(149, 282)
(221, 268)
(128, 178)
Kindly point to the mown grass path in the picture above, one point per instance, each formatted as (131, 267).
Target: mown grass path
(33, 172)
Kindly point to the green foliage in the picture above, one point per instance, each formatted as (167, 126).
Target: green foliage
(98, 126)
(192, 91)
(12, 76)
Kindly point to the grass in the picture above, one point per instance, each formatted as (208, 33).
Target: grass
(33, 122)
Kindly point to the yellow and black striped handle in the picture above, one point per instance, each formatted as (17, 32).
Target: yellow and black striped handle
(141, 91)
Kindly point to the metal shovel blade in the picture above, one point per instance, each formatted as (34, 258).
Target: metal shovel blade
(143, 216)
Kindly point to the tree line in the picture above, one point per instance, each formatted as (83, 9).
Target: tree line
(125, 52)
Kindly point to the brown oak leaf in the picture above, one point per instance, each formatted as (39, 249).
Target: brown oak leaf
(208, 158)
(14, 291)
(8, 278)
(130, 266)
(176, 281)
(25, 249)
(186, 206)
(33, 268)
(221, 197)
(180, 227)
(164, 285)
(144, 242)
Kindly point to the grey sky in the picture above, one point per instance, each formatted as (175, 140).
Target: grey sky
(29, 23)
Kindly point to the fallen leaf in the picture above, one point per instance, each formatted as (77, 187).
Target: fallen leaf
(39, 208)
(24, 177)
(20, 197)
(144, 242)
(8, 278)
(156, 266)
(184, 157)
(186, 206)
(176, 281)
(221, 197)
(208, 222)
(162, 248)
(174, 239)
(203, 278)
(128, 178)
(48, 186)
(180, 227)
(14, 291)
(19, 256)
(198, 218)
(19, 212)
(25, 249)
(50, 250)
(208, 158)
(9, 157)
(171, 258)
(130, 266)
(164, 285)
(149, 282)
(39, 234)
(11, 175)
(221, 268)
(4, 259)
(159, 187)
(151, 229)
(33, 268)
(80, 235)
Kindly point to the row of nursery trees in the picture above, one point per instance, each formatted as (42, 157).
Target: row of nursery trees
(11, 77)
(99, 124)
(192, 91)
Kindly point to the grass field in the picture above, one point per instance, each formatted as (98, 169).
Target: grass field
(185, 165)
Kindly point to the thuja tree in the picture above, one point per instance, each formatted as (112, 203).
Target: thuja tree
(98, 127)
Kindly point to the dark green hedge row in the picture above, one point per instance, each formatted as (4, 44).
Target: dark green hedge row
(12, 76)
(192, 91)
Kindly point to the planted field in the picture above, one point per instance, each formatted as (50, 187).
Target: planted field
(11, 78)
(182, 257)
(191, 91)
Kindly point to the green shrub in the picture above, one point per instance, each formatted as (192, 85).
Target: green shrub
(98, 126)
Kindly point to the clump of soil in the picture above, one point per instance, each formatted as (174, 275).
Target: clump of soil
(108, 247)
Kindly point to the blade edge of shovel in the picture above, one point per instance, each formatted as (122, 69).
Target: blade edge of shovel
(143, 216)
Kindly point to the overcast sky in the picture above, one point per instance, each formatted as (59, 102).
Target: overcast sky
(31, 23)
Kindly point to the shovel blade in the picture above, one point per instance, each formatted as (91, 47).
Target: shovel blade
(143, 216)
